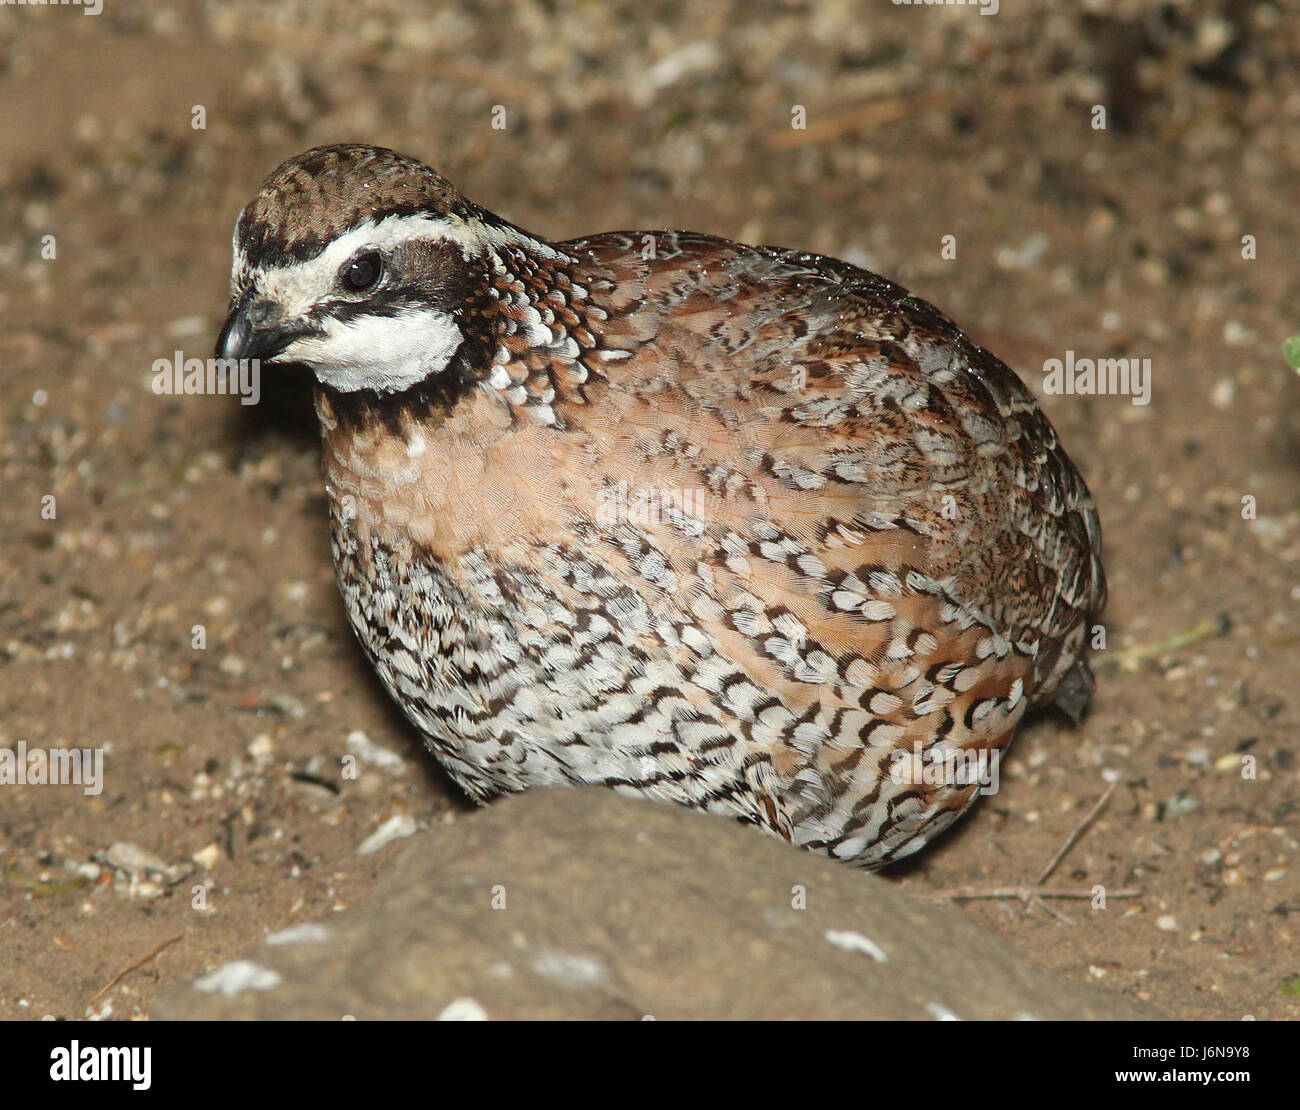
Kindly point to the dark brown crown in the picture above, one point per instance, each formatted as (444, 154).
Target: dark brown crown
(313, 197)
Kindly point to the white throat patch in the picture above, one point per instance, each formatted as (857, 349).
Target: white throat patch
(387, 353)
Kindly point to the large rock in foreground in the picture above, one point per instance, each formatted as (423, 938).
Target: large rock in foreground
(583, 904)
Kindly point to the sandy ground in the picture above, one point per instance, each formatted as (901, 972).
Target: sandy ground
(171, 513)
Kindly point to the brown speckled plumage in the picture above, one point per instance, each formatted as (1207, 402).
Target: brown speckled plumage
(724, 525)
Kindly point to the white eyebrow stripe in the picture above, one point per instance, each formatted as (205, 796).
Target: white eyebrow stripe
(299, 285)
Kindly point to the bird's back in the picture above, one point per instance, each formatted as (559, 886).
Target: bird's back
(856, 404)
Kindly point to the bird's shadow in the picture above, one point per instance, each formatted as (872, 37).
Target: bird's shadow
(284, 410)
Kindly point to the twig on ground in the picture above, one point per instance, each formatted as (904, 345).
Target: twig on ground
(1024, 892)
(1128, 659)
(1078, 832)
(133, 965)
(1033, 893)
(862, 117)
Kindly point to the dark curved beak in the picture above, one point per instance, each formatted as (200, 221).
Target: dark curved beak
(257, 330)
(236, 338)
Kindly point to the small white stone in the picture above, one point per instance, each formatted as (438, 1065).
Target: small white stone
(395, 828)
(575, 971)
(463, 1009)
(237, 976)
(261, 749)
(207, 857)
(307, 932)
(852, 941)
(366, 750)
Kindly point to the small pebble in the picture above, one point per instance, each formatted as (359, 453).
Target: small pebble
(463, 1009)
(139, 863)
(395, 828)
(308, 932)
(261, 750)
(366, 750)
(238, 976)
(207, 857)
(852, 941)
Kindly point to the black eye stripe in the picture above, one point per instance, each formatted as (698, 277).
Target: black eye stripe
(393, 303)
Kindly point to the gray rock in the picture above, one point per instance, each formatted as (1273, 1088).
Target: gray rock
(584, 904)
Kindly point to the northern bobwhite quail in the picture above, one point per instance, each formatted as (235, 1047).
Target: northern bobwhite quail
(742, 528)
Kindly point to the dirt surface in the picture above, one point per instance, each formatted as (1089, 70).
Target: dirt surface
(225, 760)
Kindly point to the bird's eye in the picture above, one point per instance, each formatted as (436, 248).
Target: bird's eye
(363, 272)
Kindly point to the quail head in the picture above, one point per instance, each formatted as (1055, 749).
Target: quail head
(746, 529)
